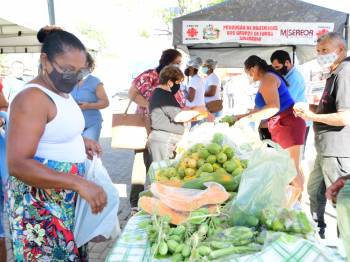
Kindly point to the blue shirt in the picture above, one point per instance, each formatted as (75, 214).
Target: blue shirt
(297, 87)
(286, 101)
(86, 93)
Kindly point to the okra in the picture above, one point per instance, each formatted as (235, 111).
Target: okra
(219, 245)
(232, 250)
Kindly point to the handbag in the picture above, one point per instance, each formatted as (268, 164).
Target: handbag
(130, 131)
(214, 106)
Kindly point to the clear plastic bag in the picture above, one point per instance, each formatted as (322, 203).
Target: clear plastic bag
(105, 224)
(264, 183)
(343, 215)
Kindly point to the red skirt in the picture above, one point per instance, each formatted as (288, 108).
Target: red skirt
(286, 129)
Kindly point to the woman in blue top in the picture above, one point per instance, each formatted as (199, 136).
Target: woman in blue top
(274, 103)
(91, 97)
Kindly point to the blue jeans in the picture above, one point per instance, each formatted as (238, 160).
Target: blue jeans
(93, 132)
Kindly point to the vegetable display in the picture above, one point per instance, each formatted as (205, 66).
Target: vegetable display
(202, 163)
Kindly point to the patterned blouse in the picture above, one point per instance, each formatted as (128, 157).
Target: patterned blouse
(146, 82)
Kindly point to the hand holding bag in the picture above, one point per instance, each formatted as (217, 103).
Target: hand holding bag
(87, 225)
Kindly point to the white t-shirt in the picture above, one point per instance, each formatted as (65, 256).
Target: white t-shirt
(213, 80)
(197, 83)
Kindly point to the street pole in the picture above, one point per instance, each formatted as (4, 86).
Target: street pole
(51, 9)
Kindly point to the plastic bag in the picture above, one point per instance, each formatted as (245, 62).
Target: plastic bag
(343, 214)
(264, 183)
(243, 139)
(284, 220)
(105, 224)
(184, 199)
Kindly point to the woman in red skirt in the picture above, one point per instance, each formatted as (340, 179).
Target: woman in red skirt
(274, 103)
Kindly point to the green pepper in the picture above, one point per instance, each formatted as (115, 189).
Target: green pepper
(172, 245)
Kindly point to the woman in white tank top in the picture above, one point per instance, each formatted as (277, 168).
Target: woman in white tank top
(46, 153)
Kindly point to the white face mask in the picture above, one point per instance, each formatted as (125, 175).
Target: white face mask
(325, 61)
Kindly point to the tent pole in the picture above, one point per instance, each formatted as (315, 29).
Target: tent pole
(347, 31)
(294, 48)
(51, 9)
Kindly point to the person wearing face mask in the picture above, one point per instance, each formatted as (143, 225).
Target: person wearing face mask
(91, 97)
(166, 121)
(212, 94)
(282, 63)
(195, 88)
(46, 154)
(14, 82)
(274, 103)
(331, 122)
(140, 92)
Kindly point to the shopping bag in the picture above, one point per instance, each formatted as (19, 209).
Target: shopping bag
(343, 214)
(106, 224)
(130, 131)
(265, 182)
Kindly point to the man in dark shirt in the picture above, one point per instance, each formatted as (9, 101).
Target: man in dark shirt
(331, 124)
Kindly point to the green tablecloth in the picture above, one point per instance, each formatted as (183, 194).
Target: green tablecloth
(133, 246)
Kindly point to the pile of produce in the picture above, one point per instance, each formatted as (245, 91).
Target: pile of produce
(205, 162)
(202, 238)
(198, 218)
(177, 203)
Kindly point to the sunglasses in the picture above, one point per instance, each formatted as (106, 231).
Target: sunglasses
(71, 74)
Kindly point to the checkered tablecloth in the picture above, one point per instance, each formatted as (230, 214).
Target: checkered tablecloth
(133, 246)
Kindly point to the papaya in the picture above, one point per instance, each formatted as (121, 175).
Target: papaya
(230, 183)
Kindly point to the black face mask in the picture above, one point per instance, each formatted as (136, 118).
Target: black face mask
(283, 71)
(187, 72)
(61, 84)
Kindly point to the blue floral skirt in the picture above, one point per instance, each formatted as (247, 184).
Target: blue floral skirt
(42, 220)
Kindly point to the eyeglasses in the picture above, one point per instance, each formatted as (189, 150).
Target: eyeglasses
(70, 74)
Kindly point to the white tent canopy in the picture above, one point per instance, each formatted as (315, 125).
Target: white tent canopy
(15, 38)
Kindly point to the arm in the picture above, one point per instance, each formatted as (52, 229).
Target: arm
(211, 91)
(342, 116)
(102, 99)
(135, 96)
(269, 91)
(334, 189)
(191, 94)
(31, 121)
(3, 102)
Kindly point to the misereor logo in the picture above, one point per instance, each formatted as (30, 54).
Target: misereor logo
(305, 33)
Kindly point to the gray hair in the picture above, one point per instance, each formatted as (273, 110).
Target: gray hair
(332, 36)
